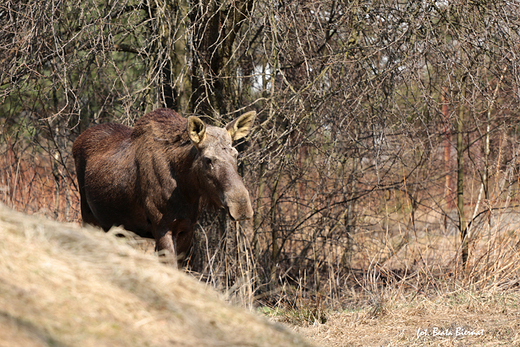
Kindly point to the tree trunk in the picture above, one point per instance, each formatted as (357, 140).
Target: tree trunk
(460, 175)
(216, 25)
(448, 197)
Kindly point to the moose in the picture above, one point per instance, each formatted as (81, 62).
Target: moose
(155, 178)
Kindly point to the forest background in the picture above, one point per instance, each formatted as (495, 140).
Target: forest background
(385, 149)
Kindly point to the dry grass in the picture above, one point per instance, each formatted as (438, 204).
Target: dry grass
(487, 319)
(33, 183)
(63, 285)
(415, 292)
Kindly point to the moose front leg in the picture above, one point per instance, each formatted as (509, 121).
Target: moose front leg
(183, 230)
(176, 240)
(165, 245)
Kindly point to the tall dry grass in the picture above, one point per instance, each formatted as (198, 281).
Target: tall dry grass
(416, 292)
(38, 183)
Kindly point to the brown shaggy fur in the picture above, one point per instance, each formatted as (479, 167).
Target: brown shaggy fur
(154, 179)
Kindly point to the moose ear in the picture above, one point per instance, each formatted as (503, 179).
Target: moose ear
(241, 126)
(196, 130)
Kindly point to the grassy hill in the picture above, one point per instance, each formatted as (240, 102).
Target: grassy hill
(63, 285)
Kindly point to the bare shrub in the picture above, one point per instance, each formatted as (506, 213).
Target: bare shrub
(383, 126)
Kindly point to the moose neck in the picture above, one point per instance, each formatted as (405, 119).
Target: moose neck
(184, 170)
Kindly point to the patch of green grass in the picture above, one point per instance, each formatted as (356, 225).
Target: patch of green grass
(301, 316)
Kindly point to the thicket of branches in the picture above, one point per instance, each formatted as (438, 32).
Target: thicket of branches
(375, 117)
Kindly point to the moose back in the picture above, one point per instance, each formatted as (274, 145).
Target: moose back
(153, 179)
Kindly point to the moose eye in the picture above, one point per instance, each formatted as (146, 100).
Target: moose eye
(208, 162)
